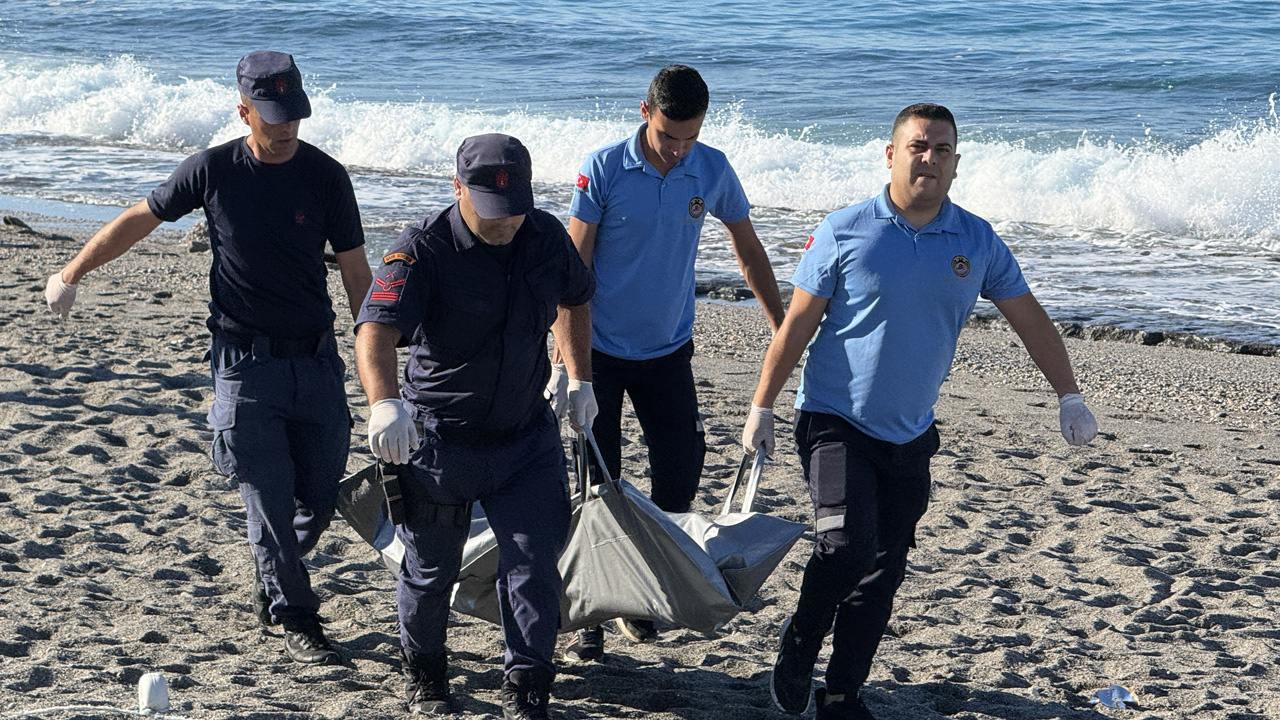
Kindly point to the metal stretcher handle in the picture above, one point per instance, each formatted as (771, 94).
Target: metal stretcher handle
(756, 462)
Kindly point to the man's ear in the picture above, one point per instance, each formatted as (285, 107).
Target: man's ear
(457, 189)
(644, 111)
(888, 156)
(244, 113)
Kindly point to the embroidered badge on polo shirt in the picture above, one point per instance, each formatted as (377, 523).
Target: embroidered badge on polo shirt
(696, 207)
(398, 257)
(960, 266)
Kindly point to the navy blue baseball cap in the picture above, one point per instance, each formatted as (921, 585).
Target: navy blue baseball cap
(498, 171)
(274, 85)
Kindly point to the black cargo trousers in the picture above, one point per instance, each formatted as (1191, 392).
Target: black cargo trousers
(666, 404)
(868, 495)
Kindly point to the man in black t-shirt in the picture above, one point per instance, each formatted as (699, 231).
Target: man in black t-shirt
(280, 417)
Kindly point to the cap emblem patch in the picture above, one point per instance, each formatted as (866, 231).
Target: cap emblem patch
(960, 266)
(282, 85)
(502, 180)
(299, 218)
(696, 207)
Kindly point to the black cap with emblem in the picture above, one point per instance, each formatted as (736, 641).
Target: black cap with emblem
(497, 170)
(273, 84)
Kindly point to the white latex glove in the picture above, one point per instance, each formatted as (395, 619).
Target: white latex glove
(392, 435)
(59, 295)
(1078, 424)
(758, 431)
(581, 402)
(557, 392)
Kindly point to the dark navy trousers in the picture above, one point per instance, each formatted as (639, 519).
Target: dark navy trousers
(666, 404)
(523, 488)
(868, 495)
(281, 428)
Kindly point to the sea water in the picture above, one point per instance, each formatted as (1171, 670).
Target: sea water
(1129, 153)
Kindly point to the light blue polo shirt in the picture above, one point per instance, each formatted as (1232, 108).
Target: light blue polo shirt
(898, 299)
(647, 240)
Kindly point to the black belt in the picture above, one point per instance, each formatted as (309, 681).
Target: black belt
(278, 347)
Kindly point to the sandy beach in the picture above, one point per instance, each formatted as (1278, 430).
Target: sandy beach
(1044, 572)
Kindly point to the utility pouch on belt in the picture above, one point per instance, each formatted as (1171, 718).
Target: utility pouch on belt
(390, 477)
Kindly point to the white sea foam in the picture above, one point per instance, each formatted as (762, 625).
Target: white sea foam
(1227, 185)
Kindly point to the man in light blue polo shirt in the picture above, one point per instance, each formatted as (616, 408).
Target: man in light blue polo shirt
(636, 218)
(886, 284)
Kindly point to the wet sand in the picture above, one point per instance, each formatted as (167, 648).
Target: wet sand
(1043, 573)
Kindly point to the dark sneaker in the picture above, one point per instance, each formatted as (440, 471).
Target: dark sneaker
(426, 683)
(638, 631)
(525, 694)
(791, 683)
(588, 647)
(258, 597)
(304, 642)
(850, 708)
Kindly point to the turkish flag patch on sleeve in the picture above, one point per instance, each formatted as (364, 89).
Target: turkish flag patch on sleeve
(583, 181)
(809, 244)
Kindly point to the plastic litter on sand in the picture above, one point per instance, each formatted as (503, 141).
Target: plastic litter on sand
(1114, 697)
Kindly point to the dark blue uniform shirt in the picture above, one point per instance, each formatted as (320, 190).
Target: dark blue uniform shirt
(476, 320)
(267, 227)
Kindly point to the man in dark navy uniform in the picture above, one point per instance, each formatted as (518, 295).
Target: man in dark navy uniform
(280, 417)
(473, 290)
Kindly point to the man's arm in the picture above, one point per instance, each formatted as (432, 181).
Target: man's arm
(1045, 347)
(798, 327)
(376, 360)
(106, 245)
(112, 241)
(1041, 338)
(393, 436)
(583, 235)
(356, 277)
(757, 270)
(572, 330)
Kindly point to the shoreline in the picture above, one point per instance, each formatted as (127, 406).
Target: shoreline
(737, 293)
(729, 288)
(1043, 572)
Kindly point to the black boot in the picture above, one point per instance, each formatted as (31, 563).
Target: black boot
(849, 708)
(304, 641)
(525, 694)
(426, 683)
(792, 680)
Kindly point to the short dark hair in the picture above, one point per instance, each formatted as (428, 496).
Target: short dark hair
(928, 111)
(679, 92)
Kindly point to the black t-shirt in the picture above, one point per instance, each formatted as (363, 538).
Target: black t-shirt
(477, 324)
(267, 228)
